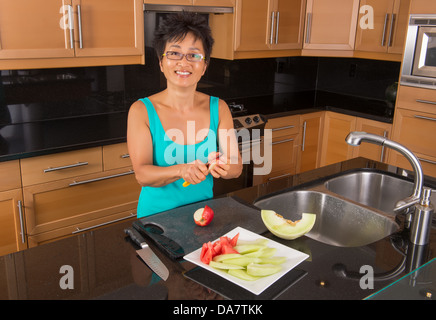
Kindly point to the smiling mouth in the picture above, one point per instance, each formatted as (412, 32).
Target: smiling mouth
(183, 73)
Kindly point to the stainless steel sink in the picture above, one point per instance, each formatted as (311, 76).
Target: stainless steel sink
(374, 189)
(339, 222)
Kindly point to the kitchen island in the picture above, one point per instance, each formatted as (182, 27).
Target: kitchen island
(102, 263)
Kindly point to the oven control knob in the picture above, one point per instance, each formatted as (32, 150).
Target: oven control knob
(256, 119)
(248, 120)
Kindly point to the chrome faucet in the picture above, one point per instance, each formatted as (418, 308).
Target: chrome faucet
(422, 216)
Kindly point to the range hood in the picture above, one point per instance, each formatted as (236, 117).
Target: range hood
(179, 8)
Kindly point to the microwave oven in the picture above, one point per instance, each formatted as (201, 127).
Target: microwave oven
(419, 60)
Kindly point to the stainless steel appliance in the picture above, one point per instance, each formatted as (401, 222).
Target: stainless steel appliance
(250, 132)
(419, 61)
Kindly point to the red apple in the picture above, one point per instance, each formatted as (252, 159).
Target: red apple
(203, 216)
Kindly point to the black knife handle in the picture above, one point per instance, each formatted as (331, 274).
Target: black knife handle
(172, 248)
(135, 236)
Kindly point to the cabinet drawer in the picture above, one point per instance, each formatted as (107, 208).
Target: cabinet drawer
(60, 166)
(70, 202)
(416, 130)
(116, 156)
(284, 126)
(10, 175)
(417, 99)
(64, 232)
(428, 164)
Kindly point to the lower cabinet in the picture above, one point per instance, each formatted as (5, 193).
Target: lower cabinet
(336, 128)
(65, 207)
(12, 232)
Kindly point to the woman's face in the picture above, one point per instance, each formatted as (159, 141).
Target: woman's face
(183, 72)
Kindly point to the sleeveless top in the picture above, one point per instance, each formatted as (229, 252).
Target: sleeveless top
(153, 200)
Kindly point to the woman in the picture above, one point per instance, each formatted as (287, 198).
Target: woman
(172, 135)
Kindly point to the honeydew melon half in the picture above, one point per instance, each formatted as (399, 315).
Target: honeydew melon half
(287, 229)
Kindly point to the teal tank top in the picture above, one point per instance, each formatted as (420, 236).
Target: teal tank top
(153, 200)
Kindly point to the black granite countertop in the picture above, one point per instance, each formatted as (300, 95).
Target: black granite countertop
(105, 264)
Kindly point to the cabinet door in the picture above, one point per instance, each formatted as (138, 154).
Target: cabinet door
(252, 23)
(331, 24)
(34, 29)
(288, 33)
(334, 148)
(108, 27)
(390, 20)
(369, 150)
(311, 141)
(376, 38)
(12, 233)
(399, 30)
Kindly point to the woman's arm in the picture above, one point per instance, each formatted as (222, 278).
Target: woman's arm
(230, 162)
(139, 142)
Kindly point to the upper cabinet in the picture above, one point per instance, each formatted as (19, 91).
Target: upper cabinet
(269, 24)
(382, 25)
(259, 29)
(330, 25)
(69, 29)
(217, 3)
(107, 27)
(34, 29)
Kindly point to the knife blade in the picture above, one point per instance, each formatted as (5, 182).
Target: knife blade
(147, 255)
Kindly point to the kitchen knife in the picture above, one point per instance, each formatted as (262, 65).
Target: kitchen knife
(154, 232)
(147, 255)
(185, 183)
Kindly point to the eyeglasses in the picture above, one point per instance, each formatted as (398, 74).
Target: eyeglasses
(174, 55)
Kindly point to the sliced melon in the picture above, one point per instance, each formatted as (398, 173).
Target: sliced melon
(287, 229)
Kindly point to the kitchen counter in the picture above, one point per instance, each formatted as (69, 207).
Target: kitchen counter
(102, 264)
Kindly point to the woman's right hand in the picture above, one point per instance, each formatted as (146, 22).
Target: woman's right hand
(194, 172)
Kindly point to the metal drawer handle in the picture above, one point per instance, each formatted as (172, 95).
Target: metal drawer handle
(79, 18)
(283, 128)
(277, 27)
(75, 165)
(71, 25)
(281, 141)
(133, 214)
(425, 101)
(308, 27)
(124, 156)
(384, 30)
(424, 118)
(426, 160)
(20, 212)
(272, 28)
(77, 183)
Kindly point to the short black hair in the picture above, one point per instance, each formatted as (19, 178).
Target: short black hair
(175, 28)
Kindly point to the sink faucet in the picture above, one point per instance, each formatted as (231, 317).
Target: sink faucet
(422, 217)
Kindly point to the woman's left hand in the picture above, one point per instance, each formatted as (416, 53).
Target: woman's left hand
(218, 166)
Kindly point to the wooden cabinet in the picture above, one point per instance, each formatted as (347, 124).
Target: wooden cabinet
(33, 29)
(269, 24)
(55, 33)
(311, 130)
(415, 127)
(388, 33)
(108, 28)
(369, 150)
(258, 29)
(336, 128)
(12, 233)
(284, 146)
(331, 24)
(77, 197)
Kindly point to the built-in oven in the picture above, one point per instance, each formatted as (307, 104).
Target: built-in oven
(419, 61)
